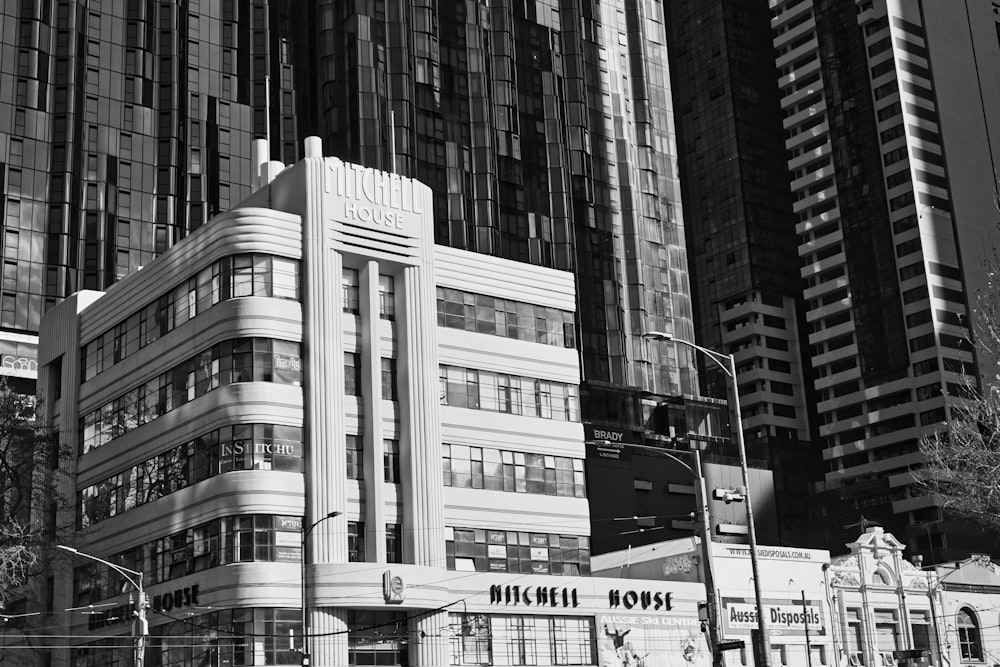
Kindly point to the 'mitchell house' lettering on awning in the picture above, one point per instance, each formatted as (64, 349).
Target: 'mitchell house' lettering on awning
(541, 596)
(640, 600)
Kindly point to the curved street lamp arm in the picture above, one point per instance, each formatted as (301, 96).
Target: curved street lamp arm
(124, 571)
(660, 450)
(723, 361)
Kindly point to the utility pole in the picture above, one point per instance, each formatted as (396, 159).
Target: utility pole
(805, 620)
(140, 624)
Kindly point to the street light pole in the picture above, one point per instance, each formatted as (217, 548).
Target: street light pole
(306, 655)
(706, 535)
(805, 619)
(140, 630)
(728, 365)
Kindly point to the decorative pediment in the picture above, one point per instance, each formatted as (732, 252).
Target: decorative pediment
(840, 578)
(850, 561)
(877, 542)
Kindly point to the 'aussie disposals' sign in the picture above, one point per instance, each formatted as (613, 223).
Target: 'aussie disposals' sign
(785, 618)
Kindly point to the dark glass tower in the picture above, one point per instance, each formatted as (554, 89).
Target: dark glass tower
(741, 233)
(124, 126)
(544, 129)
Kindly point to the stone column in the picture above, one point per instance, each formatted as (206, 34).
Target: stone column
(429, 640)
(329, 639)
(419, 416)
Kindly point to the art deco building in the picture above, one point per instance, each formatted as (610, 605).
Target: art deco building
(890, 115)
(310, 387)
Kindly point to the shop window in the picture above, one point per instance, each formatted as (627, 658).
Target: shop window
(276, 626)
(571, 640)
(518, 640)
(376, 638)
(471, 640)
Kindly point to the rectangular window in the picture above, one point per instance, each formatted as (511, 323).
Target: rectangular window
(285, 273)
(386, 297)
(886, 631)
(390, 461)
(571, 640)
(355, 457)
(393, 543)
(470, 645)
(352, 373)
(518, 640)
(376, 638)
(389, 379)
(459, 387)
(351, 293)
(242, 275)
(355, 541)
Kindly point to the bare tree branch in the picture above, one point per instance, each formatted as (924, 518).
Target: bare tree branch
(962, 461)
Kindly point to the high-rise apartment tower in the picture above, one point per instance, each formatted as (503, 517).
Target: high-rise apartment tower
(890, 119)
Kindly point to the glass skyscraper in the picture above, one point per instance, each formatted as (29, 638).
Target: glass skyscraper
(544, 128)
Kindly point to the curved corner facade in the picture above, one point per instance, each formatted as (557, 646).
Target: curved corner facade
(308, 401)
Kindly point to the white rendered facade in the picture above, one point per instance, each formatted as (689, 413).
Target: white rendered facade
(311, 359)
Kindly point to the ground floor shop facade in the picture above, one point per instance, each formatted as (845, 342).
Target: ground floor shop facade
(869, 608)
(409, 615)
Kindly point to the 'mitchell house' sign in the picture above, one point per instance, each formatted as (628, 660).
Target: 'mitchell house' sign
(557, 596)
(541, 596)
(645, 600)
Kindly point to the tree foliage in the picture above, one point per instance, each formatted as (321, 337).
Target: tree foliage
(29, 459)
(962, 461)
